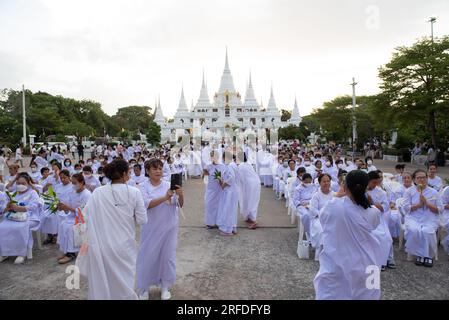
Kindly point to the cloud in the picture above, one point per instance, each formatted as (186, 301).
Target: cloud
(128, 52)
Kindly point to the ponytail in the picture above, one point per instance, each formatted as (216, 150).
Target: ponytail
(356, 183)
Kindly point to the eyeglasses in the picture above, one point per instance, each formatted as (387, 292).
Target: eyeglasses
(421, 177)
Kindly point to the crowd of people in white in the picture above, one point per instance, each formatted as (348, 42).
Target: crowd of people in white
(347, 210)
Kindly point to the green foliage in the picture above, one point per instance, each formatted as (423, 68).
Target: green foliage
(285, 115)
(57, 117)
(416, 84)
(293, 132)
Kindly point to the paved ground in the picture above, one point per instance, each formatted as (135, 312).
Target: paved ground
(255, 264)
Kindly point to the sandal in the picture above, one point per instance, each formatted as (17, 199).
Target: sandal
(428, 262)
(419, 261)
(226, 234)
(65, 260)
(253, 226)
(61, 257)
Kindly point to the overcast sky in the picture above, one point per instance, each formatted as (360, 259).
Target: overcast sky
(122, 53)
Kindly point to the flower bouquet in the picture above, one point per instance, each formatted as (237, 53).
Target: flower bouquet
(13, 215)
(51, 201)
(217, 175)
(421, 187)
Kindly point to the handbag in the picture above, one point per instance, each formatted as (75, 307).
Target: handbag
(17, 216)
(79, 230)
(82, 262)
(303, 249)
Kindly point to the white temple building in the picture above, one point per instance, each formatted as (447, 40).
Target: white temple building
(226, 110)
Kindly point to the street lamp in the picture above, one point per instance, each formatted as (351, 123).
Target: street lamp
(432, 20)
(354, 123)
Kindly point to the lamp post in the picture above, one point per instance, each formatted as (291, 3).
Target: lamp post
(432, 20)
(24, 139)
(354, 122)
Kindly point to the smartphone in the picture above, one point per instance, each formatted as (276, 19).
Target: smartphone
(176, 180)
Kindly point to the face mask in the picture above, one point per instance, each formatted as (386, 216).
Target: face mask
(340, 166)
(285, 164)
(21, 188)
(307, 163)
(328, 163)
(369, 162)
(75, 187)
(78, 171)
(67, 164)
(33, 169)
(89, 163)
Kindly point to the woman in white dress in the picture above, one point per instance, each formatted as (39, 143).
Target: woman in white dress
(433, 180)
(77, 201)
(319, 200)
(445, 218)
(228, 205)
(422, 205)
(156, 261)
(213, 191)
(16, 238)
(50, 221)
(111, 215)
(350, 247)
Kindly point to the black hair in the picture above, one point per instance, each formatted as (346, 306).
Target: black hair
(44, 169)
(79, 177)
(306, 176)
(373, 175)
(138, 166)
(342, 172)
(77, 165)
(88, 169)
(301, 171)
(153, 163)
(418, 171)
(26, 176)
(56, 163)
(65, 172)
(291, 160)
(356, 183)
(324, 175)
(400, 166)
(116, 169)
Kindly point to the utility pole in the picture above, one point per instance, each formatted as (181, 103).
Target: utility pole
(354, 122)
(24, 139)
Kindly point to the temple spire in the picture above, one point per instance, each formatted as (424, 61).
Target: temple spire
(182, 102)
(272, 102)
(250, 99)
(227, 83)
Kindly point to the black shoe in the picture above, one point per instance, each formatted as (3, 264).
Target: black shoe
(428, 262)
(391, 265)
(419, 261)
(383, 268)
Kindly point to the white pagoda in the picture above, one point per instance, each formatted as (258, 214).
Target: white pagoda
(225, 111)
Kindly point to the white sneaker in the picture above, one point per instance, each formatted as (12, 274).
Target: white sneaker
(165, 294)
(19, 260)
(144, 296)
(3, 258)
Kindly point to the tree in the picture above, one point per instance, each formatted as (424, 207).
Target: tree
(416, 82)
(133, 118)
(153, 133)
(285, 115)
